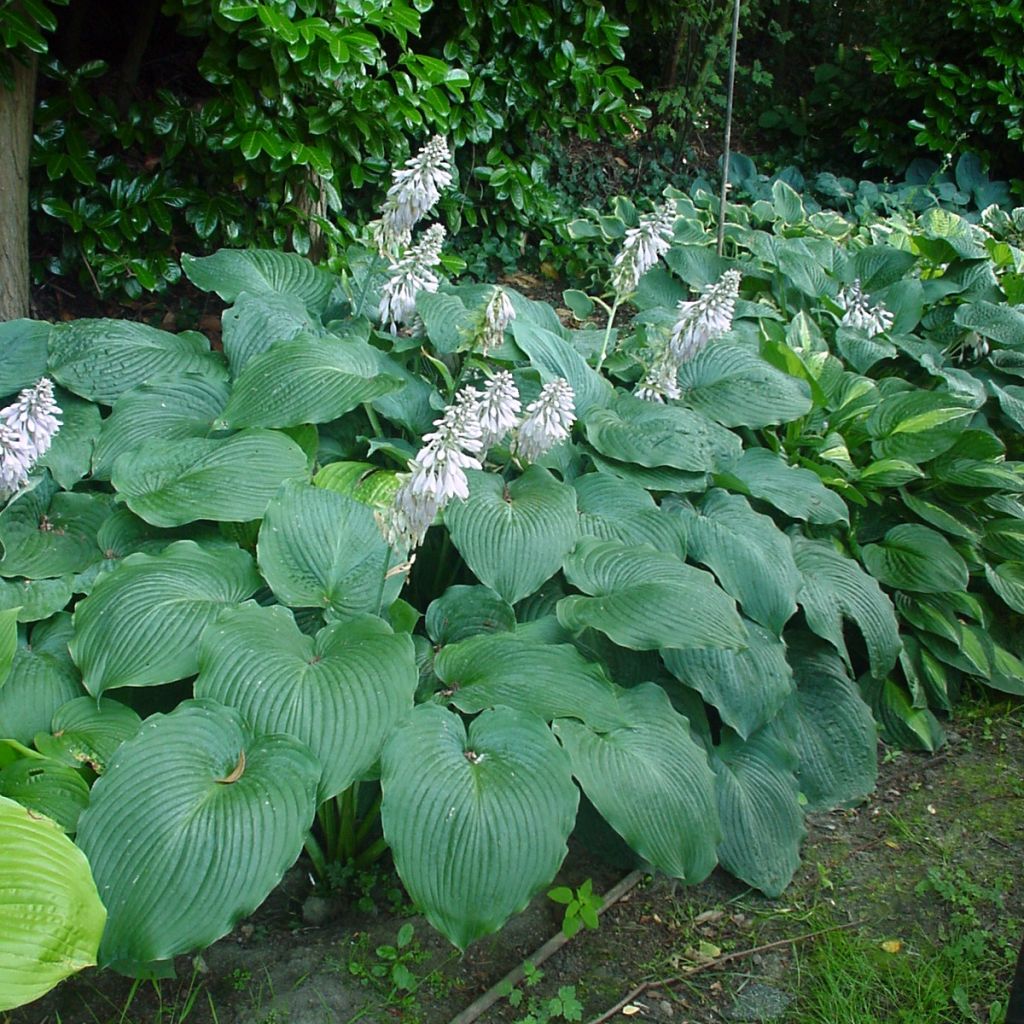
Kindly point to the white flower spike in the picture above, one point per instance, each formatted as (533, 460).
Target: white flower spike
(27, 429)
(412, 274)
(858, 311)
(641, 248)
(499, 409)
(704, 319)
(547, 422)
(497, 316)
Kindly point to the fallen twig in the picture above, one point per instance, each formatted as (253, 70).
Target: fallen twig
(720, 961)
(555, 943)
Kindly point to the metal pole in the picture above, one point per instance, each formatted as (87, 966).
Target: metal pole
(728, 125)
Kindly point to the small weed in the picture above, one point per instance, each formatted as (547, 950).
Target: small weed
(538, 1010)
(240, 979)
(581, 907)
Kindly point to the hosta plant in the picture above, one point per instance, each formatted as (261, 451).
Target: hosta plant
(410, 565)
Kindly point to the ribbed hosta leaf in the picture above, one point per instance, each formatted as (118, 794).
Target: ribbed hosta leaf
(307, 380)
(1007, 580)
(615, 509)
(363, 481)
(169, 483)
(170, 410)
(461, 612)
(102, 359)
(758, 802)
(47, 533)
(23, 354)
(192, 825)
(477, 824)
(547, 680)
(651, 435)
(798, 492)
(514, 536)
(35, 599)
(748, 553)
(40, 680)
(341, 693)
(657, 478)
(555, 357)
(229, 272)
(736, 388)
(837, 740)
(651, 782)
(46, 787)
(141, 624)
(87, 732)
(319, 549)
(645, 600)
(748, 687)
(835, 587)
(916, 558)
(255, 322)
(70, 454)
(51, 915)
(8, 641)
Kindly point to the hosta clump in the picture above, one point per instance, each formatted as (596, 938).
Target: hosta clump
(456, 569)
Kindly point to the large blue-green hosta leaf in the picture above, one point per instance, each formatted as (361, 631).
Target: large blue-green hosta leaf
(51, 914)
(23, 354)
(102, 359)
(759, 805)
(341, 693)
(645, 600)
(461, 612)
(514, 536)
(321, 549)
(46, 787)
(916, 558)
(749, 554)
(70, 455)
(736, 388)
(255, 322)
(169, 483)
(547, 680)
(87, 732)
(836, 738)
(8, 641)
(141, 624)
(35, 599)
(653, 435)
(477, 823)
(169, 410)
(47, 533)
(836, 588)
(615, 509)
(307, 380)
(748, 687)
(191, 826)
(650, 781)
(229, 272)
(799, 493)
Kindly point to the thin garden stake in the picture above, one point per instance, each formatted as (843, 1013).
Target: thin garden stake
(728, 124)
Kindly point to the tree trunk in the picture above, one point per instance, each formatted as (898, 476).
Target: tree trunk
(15, 140)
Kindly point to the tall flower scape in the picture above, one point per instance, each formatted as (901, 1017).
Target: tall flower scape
(27, 429)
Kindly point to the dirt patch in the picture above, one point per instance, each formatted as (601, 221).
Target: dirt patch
(932, 859)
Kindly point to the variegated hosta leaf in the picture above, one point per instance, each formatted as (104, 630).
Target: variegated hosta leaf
(748, 687)
(169, 483)
(650, 781)
(749, 554)
(758, 801)
(835, 587)
(514, 536)
(548, 680)
(141, 624)
(321, 549)
(914, 557)
(477, 823)
(341, 693)
(645, 600)
(193, 823)
(51, 917)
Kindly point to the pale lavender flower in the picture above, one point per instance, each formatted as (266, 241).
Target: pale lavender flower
(412, 274)
(498, 409)
(34, 416)
(414, 191)
(661, 381)
(858, 311)
(437, 474)
(547, 421)
(641, 248)
(704, 319)
(15, 460)
(497, 316)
